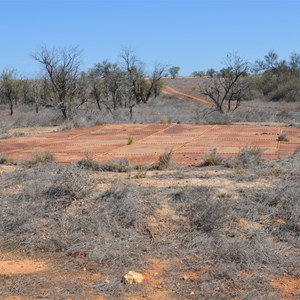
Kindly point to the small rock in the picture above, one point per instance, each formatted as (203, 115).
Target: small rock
(192, 293)
(132, 277)
(185, 277)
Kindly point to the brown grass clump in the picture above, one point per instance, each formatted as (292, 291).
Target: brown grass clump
(88, 162)
(4, 160)
(42, 157)
(212, 159)
(165, 161)
(249, 156)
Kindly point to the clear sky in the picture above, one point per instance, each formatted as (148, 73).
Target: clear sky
(192, 34)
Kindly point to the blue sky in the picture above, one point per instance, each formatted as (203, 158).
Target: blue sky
(194, 35)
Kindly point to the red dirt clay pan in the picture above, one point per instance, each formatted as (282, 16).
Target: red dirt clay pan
(189, 143)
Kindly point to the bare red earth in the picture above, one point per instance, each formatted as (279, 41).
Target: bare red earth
(189, 143)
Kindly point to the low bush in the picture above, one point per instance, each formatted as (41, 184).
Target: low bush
(42, 157)
(165, 120)
(248, 156)
(204, 211)
(282, 138)
(4, 160)
(212, 159)
(89, 163)
(119, 165)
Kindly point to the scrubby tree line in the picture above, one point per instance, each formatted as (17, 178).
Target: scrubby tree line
(125, 84)
(271, 78)
(63, 86)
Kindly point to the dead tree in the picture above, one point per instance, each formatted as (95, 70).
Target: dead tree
(62, 68)
(229, 86)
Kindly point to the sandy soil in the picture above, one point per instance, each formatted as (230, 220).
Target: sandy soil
(189, 143)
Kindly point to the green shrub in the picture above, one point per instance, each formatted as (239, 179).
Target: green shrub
(129, 140)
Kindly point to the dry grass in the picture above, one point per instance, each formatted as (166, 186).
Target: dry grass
(212, 159)
(42, 157)
(164, 161)
(230, 240)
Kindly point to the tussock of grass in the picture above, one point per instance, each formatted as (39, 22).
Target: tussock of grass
(89, 163)
(249, 156)
(120, 165)
(165, 120)
(129, 140)
(164, 161)
(42, 157)
(212, 159)
(4, 160)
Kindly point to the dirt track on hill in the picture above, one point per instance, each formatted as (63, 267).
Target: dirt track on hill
(171, 91)
(189, 143)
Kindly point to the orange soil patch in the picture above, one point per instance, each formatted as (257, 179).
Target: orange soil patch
(157, 269)
(15, 298)
(248, 224)
(189, 143)
(289, 287)
(27, 266)
(13, 265)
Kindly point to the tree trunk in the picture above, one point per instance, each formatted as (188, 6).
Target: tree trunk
(11, 106)
(64, 112)
(130, 112)
(98, 104)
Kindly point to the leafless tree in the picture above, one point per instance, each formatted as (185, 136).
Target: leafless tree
(142, 86)
(230, 86)
(62, 68)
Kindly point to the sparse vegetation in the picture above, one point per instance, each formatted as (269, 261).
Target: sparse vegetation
(165, 120)
(283, 138)
(4, 160)
(89, 163)
(121, 224)
(212, 159)
(164, 161)
(225, 229)
(129, 140)
(120, 166)
(42, 157)
(249, 156)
